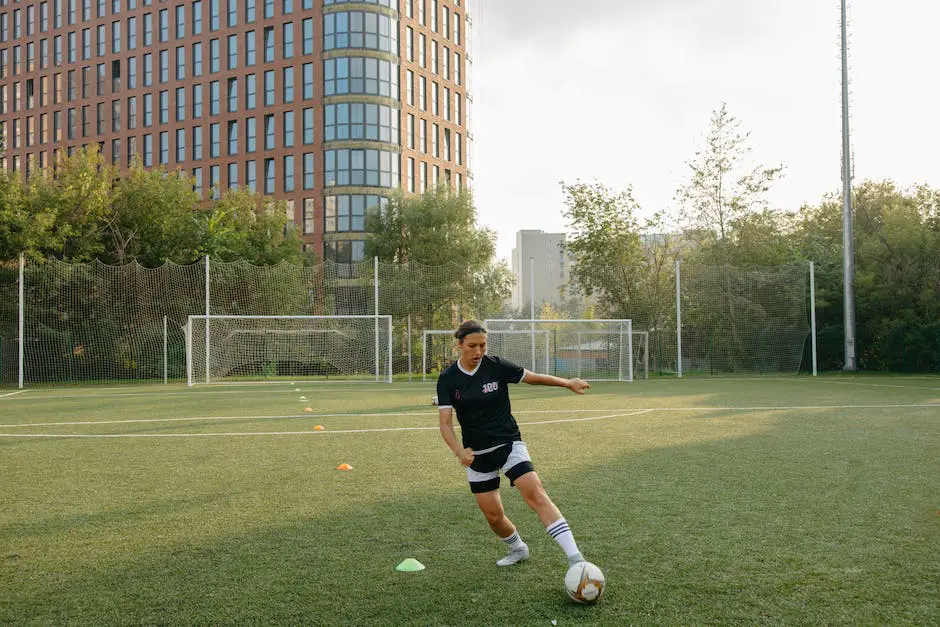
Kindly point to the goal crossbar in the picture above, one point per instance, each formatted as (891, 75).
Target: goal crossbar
(539, 363)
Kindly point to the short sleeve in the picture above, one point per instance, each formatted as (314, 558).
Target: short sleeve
(443, 393)
(510, 372)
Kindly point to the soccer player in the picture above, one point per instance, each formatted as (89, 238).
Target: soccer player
(476, 387)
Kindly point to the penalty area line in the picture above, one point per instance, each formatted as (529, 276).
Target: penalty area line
(13, 393)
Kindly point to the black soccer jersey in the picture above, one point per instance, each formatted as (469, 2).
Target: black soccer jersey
(481, 401)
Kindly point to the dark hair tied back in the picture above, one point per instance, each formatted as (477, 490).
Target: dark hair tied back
(467, 327)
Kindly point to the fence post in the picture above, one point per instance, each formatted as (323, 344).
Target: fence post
(812, 308)
(408, 344)
(21, 351)
(165, 381)
(375, 281)
(208, 304)
(678, 325)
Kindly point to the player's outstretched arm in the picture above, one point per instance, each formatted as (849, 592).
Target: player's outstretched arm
(578, 386)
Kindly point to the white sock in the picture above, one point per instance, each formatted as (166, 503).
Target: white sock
(565, 539)
(514, 541)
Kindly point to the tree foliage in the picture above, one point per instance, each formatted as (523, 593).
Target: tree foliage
(439, 229)
(85, 209)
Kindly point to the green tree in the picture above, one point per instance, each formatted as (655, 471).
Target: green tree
(625, 266)
(439, 229)
(725, 198)
(78, 193)
(239, 226)
(153, 217)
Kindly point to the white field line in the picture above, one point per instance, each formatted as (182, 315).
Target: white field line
(202, 391)
(517, 412)
(880, 385)
(270, 433)
(619, 414)
(13, 393)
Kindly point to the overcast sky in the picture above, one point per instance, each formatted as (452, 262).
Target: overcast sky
(621, 91)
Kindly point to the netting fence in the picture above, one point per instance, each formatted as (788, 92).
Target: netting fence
(98, 323)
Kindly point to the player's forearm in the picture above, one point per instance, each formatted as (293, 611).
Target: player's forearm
(450, 438)
(534, 378)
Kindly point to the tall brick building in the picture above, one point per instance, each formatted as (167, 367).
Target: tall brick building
(328, 104)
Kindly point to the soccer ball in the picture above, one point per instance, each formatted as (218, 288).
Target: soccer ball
(434, 400)
(585, 583)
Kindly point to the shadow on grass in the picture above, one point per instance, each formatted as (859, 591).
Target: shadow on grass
(806, 521)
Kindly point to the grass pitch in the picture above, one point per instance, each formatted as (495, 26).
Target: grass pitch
(793, 500)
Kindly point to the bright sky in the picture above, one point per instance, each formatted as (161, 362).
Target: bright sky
(621, 92)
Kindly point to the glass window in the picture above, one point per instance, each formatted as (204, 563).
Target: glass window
(148, 110)
(250, 15)
(164, 66)
(251, 175)
(197, 17)
(233, 137)
(250, 134)
(215, 140)
(287, 40)
(215, 98)
(164, 107)
(288, 84)
(214, 56)
(233, 176)
(148, 29)
(180, 104)
(197, 143)
(308, 35)
(180, 63)
(148, 150)
(164, 25)
(164, 147)
(232, 52)
(269, 132)
(214, 15)
(288, 128)
(197, 101)
(232, 13)
(132, 33)
(250, 91)
(116, 37)
(289, 173)
(269, 44)
(197, 181)
(232, 88)
(269, 176)
(308, 126)
(181, 21)
(268, 9)
(269, 87)
(250, 48)
(308, 170)
(197, 59)
(308, 81)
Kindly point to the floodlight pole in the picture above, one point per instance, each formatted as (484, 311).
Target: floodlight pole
(848, 244)
(812, 309)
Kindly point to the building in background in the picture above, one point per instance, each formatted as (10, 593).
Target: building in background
(327, 104)
(541, 267)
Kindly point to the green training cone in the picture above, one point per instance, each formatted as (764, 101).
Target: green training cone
(410, 565)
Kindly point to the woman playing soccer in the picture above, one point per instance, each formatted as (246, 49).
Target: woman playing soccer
(476, 387)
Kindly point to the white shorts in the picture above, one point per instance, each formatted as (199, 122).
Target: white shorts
(516, 463)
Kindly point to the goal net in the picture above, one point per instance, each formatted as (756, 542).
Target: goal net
(439, 349)
(596, 350)
(259, 348)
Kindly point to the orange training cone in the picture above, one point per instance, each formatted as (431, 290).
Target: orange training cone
(318, 428)
(344, 466)
(308, 409)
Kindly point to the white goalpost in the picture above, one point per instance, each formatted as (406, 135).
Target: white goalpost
(262, 348)
(595, 350)
(439, 349)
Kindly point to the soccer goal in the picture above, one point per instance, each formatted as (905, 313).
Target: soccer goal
(596, 350)
(264, 348)
(439, 349)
